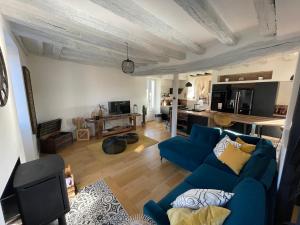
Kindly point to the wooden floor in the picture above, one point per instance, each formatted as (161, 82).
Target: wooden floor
(133, 177)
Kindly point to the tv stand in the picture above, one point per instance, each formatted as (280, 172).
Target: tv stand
(100, 124)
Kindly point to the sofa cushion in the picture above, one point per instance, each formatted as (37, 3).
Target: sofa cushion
(184, 153)
(246, 138)
(222, 145)
(165, 203)
(234, 158)
(201, 134)
(206, 176)
(245, 147)
(209, 215)
(213, 161)
(248, 206)
(201, 198)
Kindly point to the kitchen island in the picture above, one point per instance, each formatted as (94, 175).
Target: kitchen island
(254, 121)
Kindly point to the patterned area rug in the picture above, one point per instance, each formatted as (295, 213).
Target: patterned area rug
(96, 204)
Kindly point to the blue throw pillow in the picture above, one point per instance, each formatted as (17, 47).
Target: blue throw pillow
(265, 147)
(255, 167)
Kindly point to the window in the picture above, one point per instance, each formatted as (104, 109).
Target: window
(151, 94)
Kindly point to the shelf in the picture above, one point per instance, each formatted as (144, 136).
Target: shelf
(254, 76)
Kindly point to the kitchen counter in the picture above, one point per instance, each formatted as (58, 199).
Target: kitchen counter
(240, 118)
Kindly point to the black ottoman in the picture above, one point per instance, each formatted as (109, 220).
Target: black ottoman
(114, 145)
(131, 138)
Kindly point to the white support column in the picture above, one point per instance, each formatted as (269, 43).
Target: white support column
(288, 121)
(174, 105)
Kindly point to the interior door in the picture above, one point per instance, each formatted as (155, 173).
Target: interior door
(152, 99)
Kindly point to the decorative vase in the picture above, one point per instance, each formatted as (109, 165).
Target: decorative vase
(135, 108)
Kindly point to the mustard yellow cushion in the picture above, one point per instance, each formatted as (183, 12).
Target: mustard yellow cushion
(245, 147)
(234, 158)
(210, 215)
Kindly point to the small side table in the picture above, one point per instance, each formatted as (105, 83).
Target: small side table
(83, 134)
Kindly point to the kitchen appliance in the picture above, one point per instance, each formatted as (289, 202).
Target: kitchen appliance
(240, 101)
(232, 99)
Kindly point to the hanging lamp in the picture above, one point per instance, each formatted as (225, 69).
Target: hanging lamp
(127, 64)
(188, 84)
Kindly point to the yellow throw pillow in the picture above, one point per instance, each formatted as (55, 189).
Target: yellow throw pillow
(245, 147)
(234, 158)
(210, 215)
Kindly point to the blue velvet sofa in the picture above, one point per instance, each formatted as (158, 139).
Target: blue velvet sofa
(254, 187)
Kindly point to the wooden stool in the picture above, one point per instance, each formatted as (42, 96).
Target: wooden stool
(83, 134)
(222, 121)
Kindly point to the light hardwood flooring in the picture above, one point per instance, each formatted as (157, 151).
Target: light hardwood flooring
(133, 177)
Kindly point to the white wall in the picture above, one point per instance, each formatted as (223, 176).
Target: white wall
(67, 90)
(11, 139)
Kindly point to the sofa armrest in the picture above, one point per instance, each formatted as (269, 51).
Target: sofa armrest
(155, 212)
(267, 179)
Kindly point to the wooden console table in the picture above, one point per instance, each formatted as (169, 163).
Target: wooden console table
(101, 131)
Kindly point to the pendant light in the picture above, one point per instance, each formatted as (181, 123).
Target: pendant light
(188, 84)
(127, 64)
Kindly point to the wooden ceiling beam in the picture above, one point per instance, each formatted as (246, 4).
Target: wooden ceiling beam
(65, 18)
(59, 40)
(203, 13)
(137, 15)
(266, 15)
(43, 21)
(250, 51)
(54, 49)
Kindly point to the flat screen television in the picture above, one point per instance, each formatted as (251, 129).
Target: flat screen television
(119, 107)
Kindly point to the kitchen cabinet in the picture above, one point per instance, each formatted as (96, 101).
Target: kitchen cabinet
(264, 98)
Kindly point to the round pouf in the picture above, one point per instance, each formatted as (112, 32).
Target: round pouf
(114, 145)
(131, 138)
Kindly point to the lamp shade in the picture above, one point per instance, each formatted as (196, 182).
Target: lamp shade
(128, 66)
(188, 84)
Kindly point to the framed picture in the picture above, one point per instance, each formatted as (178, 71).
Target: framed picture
(30, 100)
(3, 82)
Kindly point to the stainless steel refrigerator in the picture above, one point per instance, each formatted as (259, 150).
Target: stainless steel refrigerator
(239, 101)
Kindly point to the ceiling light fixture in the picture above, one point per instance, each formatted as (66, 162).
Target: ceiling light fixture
(188, 84)
(127, 64)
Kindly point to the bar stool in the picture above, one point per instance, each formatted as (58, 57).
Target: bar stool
(222, 121)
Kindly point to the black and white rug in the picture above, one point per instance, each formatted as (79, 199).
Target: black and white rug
(96, 205)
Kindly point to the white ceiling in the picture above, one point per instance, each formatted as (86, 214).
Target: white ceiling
(164, 37)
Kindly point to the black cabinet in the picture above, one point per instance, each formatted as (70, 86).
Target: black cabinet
(257, 98)
(41, 191)
(193, 119)
(225, 97)
(264, 99)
